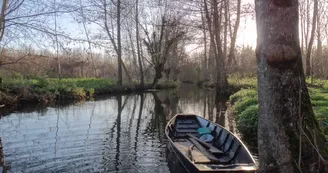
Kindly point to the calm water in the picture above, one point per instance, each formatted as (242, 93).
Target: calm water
(123, 133)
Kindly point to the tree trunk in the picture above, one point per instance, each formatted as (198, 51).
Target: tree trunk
(158, 75)
(119, 46)
(205, 68)
(309, 50)
(320, 62)
(142, 83)
(225, 32)
(212, 51)
(2, 18)
(288, 133)
(2, 164)
(221, 78)
(232, 57)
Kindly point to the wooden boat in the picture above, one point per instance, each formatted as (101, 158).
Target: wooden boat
(225, 153)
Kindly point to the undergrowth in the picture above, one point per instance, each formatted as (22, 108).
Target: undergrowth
(49, 89)
(245, 108)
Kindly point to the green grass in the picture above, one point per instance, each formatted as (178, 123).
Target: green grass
(77, 88)
(242, 82)
(245, 107)
(243, 94)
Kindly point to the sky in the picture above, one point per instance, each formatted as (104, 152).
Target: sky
(246, 35)
(247, 30)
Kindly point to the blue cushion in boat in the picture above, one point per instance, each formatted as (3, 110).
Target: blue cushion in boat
(203, 130)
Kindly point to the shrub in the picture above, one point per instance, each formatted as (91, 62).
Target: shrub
(16, 75)
(90, 92)
(78, 93)
(321, 113)
(247, 121)
(246, 110)
(243, 104)
(238, 81)
(42, 82)
(243, 94)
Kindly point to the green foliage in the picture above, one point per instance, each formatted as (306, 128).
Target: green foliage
(247, 121)
(15, 84)
(78, 88)
(78, 93)
(42, 82)
(167, 84)
(90, 92)
(16, 75)
(244, 82)
(245, 93)
(52, 86)
(321, 113)
(244, 103)
(245, 107)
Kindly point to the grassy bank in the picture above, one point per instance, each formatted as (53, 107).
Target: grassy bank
(236, 82)
(47, 89)
(245, 107)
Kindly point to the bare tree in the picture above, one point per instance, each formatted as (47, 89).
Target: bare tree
(231, 56)
(160, 43)
(116, 43)
(216, 45)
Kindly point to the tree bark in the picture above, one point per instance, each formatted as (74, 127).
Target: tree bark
(289, 137)
(2, 18)
(138, 45)
(205, 68)
(232, 57)
(158, 74)
(309, 50)
(221, 78)
(225, 32)
(216, 46)
(320, 61)
(119, 46)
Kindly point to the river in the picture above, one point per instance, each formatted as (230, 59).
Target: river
(122, 133)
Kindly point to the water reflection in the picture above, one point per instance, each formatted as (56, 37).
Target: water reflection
(123, 133)
(2, 170)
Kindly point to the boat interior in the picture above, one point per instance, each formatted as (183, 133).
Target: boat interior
(224, 151)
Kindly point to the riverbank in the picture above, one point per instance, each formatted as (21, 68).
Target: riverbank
(235, 83)
(45, 90)
(245, 108)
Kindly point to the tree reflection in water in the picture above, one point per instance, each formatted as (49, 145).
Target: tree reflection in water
(2, 164)
(122, 133)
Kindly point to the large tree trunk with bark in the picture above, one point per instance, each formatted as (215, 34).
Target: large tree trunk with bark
(289, 137)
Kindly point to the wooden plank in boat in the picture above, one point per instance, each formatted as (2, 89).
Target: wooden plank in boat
(197, 156)
(204, 150)
(211, 148)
